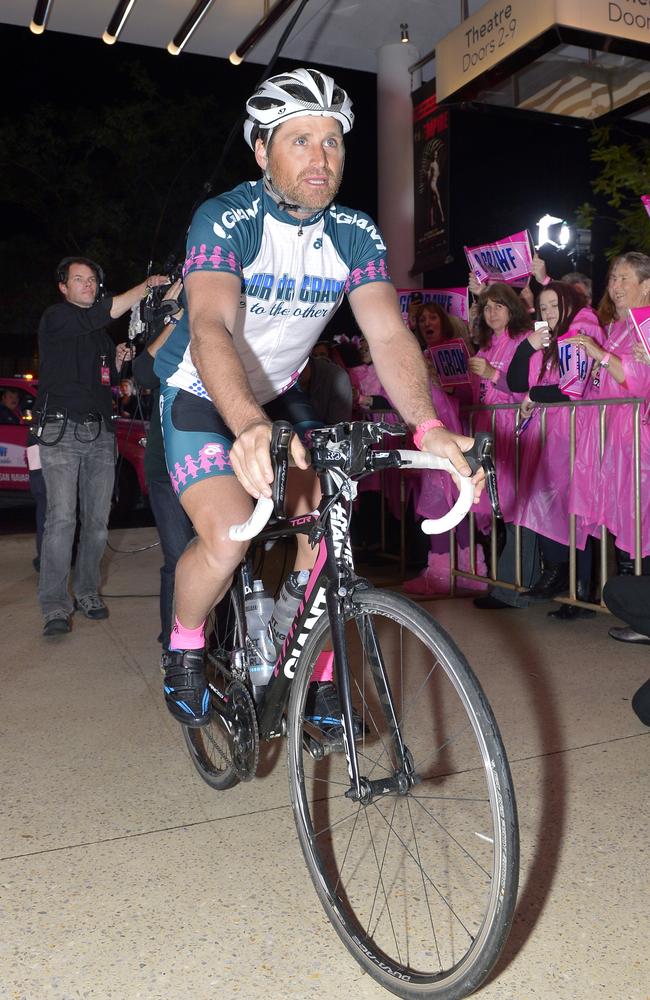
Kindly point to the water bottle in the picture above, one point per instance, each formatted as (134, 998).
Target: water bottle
(259, 606)
(292, 593)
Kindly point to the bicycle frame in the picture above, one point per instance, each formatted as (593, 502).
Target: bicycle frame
(337, 451)
(331, 580)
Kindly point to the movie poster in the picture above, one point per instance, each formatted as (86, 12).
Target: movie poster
(431, 187)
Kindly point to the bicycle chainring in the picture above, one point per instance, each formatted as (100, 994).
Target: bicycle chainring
(245, 741)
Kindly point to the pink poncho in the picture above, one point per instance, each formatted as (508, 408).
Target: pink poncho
(602, 492)
(543, 504)
(499, 354)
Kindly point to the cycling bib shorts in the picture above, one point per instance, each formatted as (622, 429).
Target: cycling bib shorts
(197, 441)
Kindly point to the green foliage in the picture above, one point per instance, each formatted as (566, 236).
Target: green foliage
(585, 215)
(623, 176)
(116, 183)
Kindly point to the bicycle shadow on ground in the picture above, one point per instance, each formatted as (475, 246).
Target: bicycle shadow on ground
(270, 753)
(547, 837)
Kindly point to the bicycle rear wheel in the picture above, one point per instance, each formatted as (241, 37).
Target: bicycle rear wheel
(420, 884)
(210, 746)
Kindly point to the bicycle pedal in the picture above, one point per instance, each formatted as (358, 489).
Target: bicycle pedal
(313, 747)
(319, 749)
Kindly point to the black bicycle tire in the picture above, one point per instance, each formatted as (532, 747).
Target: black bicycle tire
(464, 979)
(197, 740)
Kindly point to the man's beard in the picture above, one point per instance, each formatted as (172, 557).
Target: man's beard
(312, 199)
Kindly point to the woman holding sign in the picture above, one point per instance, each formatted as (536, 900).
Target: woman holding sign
(503, 322)
(602, 492)
(550, 368)
(433, 492)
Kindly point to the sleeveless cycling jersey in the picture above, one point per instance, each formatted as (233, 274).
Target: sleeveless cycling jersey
(294, 275)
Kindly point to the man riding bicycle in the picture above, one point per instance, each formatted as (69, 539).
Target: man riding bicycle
(267, 265)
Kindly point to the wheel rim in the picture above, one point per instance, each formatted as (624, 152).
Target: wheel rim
(416, 880)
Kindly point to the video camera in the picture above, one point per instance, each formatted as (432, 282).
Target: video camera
(154, 307)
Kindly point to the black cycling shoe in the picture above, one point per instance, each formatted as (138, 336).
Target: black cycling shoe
(59, 625)
(185, 688)
(323, 711)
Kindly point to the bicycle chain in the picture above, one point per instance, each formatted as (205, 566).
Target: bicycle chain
(245, 746)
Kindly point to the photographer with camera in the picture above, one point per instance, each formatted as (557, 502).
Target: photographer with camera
(78, 366)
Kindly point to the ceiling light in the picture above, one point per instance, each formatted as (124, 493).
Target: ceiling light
(188, 27)
(253, 37)
(404, 34)
(41, 15)
(117, 21)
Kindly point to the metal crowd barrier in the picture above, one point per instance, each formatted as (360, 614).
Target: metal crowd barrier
(638, 405)
(603, 406)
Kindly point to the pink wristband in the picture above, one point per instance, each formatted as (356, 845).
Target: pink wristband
(422, 429)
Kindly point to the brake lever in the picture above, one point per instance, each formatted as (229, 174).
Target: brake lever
(281, 433)
(480, 456)
(394, 430)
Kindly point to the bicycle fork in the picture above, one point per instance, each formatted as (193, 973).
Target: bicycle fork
(364, 789)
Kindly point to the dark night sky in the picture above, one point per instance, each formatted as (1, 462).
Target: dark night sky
(505, 173)
(73, 71)
(70, 68)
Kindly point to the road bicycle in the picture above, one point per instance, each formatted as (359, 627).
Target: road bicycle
(410, 830)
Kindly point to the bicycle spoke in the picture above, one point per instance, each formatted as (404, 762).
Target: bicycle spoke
(425, 890)
(412, 868)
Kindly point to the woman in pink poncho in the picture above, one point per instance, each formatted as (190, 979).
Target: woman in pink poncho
(545, 469)
(503, 322)
(602, 492)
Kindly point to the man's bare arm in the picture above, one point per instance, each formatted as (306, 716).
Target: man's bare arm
(126, 300)
(395, 351)
(403, 373)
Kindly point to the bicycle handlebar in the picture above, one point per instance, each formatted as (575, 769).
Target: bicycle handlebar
(425, 460)
(259, 519)
(417, 459)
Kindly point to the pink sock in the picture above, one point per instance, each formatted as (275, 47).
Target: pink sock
(324, 669)
(186, 638)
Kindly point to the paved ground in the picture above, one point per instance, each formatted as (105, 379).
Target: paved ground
(124, 877)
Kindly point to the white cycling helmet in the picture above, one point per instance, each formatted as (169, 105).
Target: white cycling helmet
(293, 95)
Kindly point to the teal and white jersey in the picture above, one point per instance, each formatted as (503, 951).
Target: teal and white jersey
(294, 276)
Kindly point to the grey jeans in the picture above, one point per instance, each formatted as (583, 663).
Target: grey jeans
(83, 469)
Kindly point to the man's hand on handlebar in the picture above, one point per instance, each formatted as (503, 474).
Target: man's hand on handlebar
(251, 457)
(447, 444)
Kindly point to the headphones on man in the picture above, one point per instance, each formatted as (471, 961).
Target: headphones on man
(62, 271)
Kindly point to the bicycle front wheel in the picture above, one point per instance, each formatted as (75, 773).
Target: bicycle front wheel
(420, 883)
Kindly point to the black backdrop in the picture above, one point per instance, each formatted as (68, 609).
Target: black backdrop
(506, 169)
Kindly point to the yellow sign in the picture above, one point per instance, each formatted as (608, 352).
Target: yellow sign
(499, 29)
(618, 18)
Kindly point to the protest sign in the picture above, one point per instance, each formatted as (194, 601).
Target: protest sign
(509, 259)
(452, 300)
(640, 321)
(450, 359)
(575, 366)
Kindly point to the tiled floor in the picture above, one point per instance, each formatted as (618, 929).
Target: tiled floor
(124, 877)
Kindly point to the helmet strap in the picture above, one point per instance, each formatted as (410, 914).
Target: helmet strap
(283, 205)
